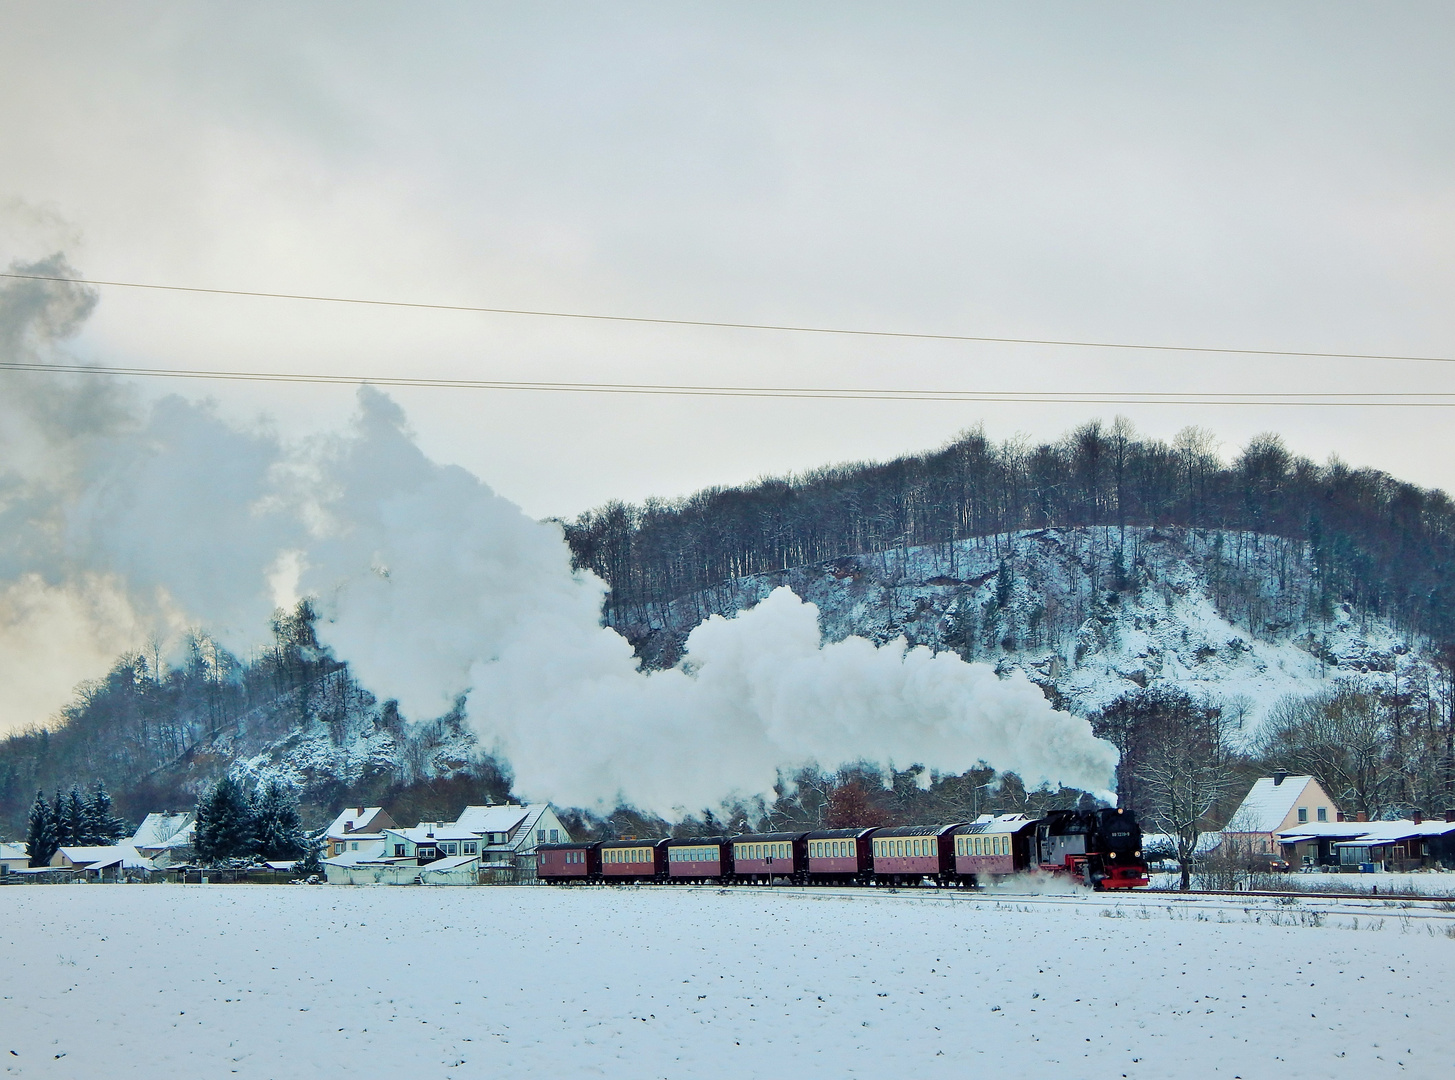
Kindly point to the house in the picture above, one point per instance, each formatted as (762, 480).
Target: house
(167, 838)
(1411, 844)
(1276, 803)
(110, 857)
(354, 829)
(14, 857)
(500, 836)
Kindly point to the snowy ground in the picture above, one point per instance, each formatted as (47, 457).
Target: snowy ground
(1426, 883)
(281, 981)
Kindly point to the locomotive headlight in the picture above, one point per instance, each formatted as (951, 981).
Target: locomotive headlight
(1112, 855)
(1137, 854)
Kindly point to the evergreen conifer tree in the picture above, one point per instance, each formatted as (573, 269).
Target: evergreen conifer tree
(59, 821)
(225, 823)
(102, 827)
(77, 820)
(278, 828)
(40, 837)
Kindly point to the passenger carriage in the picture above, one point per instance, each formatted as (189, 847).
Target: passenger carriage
(908, 854)
(840, 856)
(768, 857)
(624, 862)
(699, 859)
(568, 863)
(992, 846)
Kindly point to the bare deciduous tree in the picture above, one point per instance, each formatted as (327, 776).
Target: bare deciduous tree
(1183, 776)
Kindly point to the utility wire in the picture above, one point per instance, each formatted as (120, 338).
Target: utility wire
(785, 328)
(1366, 400)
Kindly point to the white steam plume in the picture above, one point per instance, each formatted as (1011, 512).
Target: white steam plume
(433, 587)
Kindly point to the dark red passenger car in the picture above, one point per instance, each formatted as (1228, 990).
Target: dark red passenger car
(565, 863)
(992, 846)
(769, 857)
(908, 854)
(840, 856)
(627, 861)
(698, 859)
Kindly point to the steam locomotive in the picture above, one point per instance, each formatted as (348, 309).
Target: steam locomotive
(1099, 848)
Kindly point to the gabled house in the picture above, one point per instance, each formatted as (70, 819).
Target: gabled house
(499, 836)
(355, 829)
(167, 838)
(1276, 803)
(110, 857)
(14, 857)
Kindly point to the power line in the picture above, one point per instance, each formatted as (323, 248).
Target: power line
(1378, 399)
(784, 328)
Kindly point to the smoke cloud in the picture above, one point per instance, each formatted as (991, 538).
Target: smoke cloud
(120, 517)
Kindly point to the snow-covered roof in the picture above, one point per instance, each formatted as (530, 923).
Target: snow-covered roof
(433, 832)
(1311, 830)
(1267, 805)
(1391, 832)
(14, 851)
(111, 855)
(996, 823)
(484, 819)
(162, 830)
(354, 820)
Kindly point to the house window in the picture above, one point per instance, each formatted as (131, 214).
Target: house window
(450, 849)
(555, 836)
(354, 846)
(399, 851)
(1302, 814)
(1323, 813)
(469, 848)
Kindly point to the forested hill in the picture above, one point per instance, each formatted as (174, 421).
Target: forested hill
(1382, 545)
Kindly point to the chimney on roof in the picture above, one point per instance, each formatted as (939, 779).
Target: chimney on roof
(1417, 816)
(1450, 815)
(1279, 776)
(1361, 816)
(358, 811)
(1338, 815)
(348, 826)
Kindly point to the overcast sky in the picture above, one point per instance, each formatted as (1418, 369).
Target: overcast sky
(1224, 174)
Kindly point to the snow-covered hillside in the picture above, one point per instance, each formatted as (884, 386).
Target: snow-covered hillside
(1095, 613)
(336, 740)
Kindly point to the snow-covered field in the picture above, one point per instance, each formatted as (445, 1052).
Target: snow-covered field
(187, 981)
(1425, 883)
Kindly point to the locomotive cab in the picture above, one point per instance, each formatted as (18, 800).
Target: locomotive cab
(1103, 848)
